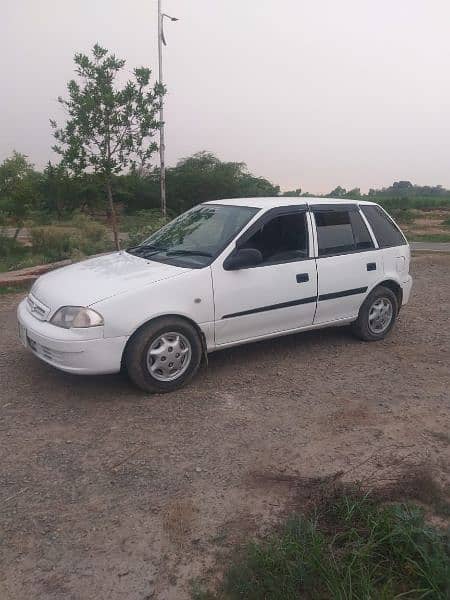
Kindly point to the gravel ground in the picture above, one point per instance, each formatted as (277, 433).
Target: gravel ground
(106, 493)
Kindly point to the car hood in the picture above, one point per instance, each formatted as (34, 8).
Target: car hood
(96, 279)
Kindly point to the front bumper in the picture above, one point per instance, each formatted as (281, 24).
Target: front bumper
(85, 352)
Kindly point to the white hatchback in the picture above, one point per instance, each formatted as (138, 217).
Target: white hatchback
(224, 273)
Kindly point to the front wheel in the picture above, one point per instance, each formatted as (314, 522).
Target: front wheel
(377, 315)
(163, 355)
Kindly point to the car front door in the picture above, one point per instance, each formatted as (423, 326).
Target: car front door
(347, 262)
(276, 295)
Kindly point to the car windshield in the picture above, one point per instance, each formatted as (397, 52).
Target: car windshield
(197, 236)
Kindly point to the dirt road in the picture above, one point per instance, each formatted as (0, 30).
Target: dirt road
(106, 493)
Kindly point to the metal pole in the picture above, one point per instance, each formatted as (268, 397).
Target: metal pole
(162, 165)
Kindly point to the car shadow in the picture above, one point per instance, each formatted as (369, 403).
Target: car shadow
(101, 389)
(302, 342)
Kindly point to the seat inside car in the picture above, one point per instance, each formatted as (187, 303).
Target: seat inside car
(282, 238)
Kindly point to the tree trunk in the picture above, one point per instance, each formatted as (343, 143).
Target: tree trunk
(113, 214)
(16, 233)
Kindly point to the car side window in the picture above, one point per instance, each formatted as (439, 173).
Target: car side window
(385, 230)
(341, 231)
(282, 239)
(361, 235)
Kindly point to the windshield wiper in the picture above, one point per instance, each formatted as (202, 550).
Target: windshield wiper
(144, 247)
(188, 252)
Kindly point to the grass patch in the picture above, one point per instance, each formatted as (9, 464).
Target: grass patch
(352, 546)
(75, 239)
(14, 255)
(22, 260)
(80, 237)
(13, 289)
(428, 237)
(421, 202)
(405, 216)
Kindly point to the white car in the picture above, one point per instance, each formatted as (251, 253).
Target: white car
(222, 274)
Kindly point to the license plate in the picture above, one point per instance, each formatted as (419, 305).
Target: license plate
(23, 335)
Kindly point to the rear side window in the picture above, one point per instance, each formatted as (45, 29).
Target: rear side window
(334, 232)
(386, 232)
(361, 234)
(341, 231)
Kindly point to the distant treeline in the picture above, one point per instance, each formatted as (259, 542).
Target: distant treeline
(25, 192)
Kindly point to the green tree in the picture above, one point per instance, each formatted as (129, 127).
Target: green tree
(292, 193)
(109, 128)
(338, 192)
(354, 194)
(58, 190)
(18, 189)
(203, 177)
(139, 190)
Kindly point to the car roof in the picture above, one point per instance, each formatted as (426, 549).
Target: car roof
(276, 201)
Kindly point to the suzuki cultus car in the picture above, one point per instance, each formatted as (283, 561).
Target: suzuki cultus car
(224, 273)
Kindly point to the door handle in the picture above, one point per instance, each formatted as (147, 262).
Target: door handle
(371, 266)
(302, 277)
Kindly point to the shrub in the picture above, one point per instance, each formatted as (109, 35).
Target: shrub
(141, 225)
(354, 548)
(79, 238)
(13, 255)
(403, 215)
(92, 236)
(406, 202)
(54, 242)
(10, 247)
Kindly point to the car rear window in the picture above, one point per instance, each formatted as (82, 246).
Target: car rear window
(385, 230)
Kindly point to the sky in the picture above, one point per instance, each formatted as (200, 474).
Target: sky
(310, 94)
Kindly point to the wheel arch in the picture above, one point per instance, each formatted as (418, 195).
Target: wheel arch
(392, 285)
(395, 287)
(165, 316)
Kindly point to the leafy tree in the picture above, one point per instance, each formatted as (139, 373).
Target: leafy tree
(338, 192)
(58, 190)
(18, 189)
(252, 186)
(354, 194)
(203, 177)
(292, 193)
(108, 128)
(139, 190)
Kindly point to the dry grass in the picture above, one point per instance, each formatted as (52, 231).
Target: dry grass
(179, 521)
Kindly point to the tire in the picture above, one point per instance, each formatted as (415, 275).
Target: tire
(371, 325)
(163, 355)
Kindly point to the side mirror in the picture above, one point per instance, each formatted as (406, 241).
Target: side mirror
(242, 258)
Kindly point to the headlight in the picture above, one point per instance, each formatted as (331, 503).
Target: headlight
(76, 316)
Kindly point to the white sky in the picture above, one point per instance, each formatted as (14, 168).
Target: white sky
(309, 94)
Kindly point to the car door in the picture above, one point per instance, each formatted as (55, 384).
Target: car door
(277, 295)
(348, 264)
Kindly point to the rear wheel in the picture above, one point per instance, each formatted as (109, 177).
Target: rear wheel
(377, 315)
(163, 355)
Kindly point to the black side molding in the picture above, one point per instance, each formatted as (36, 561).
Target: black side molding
(342, 294)
(271, 307)
(308, 300)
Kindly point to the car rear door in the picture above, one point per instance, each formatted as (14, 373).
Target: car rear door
(348, 264)
(391, 241)
(277, 295)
